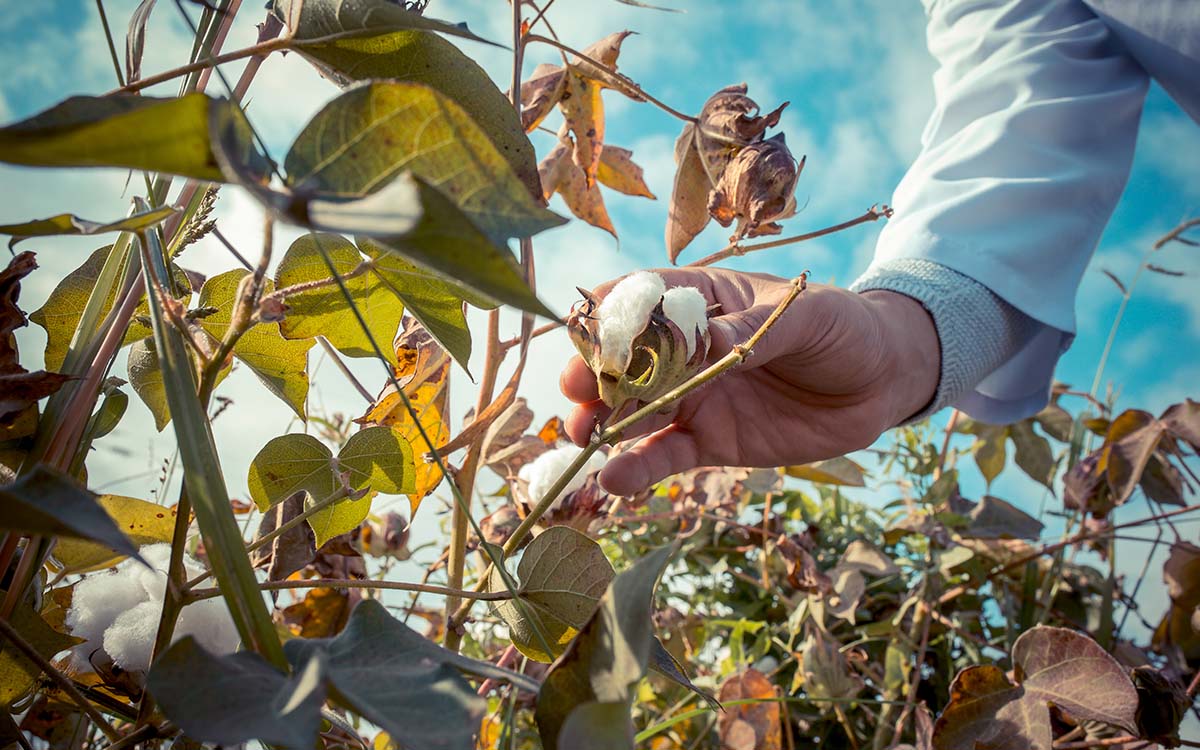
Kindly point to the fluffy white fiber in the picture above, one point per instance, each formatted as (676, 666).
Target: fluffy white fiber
(541, 473)
(623, 314)
(687, 308)
(118, 611)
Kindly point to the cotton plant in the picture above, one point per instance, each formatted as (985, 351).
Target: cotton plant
(540, 474)
(642, 340)
(118, 611)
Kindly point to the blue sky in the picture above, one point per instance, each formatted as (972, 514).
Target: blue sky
(857, 76)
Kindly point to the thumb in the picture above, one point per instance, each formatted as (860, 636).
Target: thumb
(728, 331)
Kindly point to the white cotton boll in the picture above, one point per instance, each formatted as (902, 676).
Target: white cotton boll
(687, 308)
(152, 576)
(623, 314)
(130, 639)
(96, 602)
(542, 472)
(209, 622)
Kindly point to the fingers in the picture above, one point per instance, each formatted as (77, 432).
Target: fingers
(583, 419)
(666, 452)
(577, 381)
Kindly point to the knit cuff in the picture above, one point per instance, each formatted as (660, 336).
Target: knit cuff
(978, 331)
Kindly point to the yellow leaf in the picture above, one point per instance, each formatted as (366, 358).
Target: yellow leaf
(143, 522)
(423, 371)
(618, 172)
(584, 114)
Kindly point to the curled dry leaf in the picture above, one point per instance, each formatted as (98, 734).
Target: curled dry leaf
(728, 123)
(750, 726)
(756, 188)
(1177, 630)
(20, 389)
(562, 175)
(540, 93)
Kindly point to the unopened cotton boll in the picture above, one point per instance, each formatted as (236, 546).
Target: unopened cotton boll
(623, 314)
(541, 473)
(687, 308)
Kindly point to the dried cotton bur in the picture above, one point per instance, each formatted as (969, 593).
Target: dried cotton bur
(581, 159)
(642, 339)
(727, 171)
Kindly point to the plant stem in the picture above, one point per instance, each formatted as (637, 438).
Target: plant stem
(279, 531)
(108, 37)
(68, 687)
(262, 48)
(625, 80)
(733, 249)
(337, 360)
(340, 583)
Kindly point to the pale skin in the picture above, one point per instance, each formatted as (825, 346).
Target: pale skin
(835, 372)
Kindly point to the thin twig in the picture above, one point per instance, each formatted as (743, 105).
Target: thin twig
(352, 583)
(733, 249)
(621, 77)
(68, 687)
(1098, 742)
(263, 48)
(337, 360)
(112, 48)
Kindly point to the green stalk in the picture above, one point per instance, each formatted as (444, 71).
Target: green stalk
(203, 479)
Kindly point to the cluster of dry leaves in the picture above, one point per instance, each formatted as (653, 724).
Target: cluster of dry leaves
(728, 170)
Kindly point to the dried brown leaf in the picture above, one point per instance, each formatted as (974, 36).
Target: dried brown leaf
(1051, 666)
(540, 93)
(20, 390)
(583, 112)
(750, 726)
(757, 187)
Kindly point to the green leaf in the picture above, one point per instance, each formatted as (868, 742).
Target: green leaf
(238, 697)
(393, 677)
(19, 675)
(341, 517)
(49, 503)
(73, 225)
(445, 241)
(61, 313)
(562, 575)
(608, 656)
(1033, 453)
(143, 522)
(281, 365)
(404, 214)
(332, 23)
(325, 311)
(436, 303)
(990, 453)
(122, 130)
(597, 726)
(421, 57)
(146, 377)
(372, 132)
(289, 464)
(379, 458)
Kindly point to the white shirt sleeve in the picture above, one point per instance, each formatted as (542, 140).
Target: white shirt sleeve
(1023, 161)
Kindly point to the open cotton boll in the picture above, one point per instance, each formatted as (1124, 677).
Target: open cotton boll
(95, 603)
(130, 639)
(542, 472)
(209, 622)
(623, 314)
(687, 308)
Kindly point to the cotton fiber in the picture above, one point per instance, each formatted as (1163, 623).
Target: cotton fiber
(623, 314)
(542, 472)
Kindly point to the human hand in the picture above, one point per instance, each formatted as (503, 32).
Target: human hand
(831, 375)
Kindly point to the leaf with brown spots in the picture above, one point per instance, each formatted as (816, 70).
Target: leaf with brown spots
(618, 171)
(561, 175)
(583, 112)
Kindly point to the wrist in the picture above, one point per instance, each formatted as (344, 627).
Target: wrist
(912, 352)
